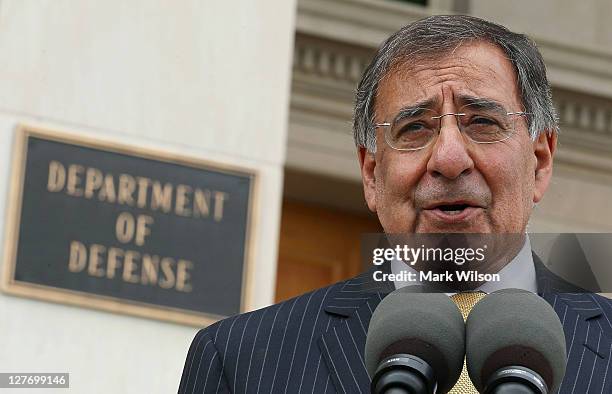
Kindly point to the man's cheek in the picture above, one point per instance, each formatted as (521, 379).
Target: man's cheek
(398, 186)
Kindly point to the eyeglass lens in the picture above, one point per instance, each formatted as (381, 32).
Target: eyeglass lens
(481, 125)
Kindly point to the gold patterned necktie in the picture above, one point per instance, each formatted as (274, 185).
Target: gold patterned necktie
(465, 302)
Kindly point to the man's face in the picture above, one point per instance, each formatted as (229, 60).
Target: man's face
(454, 184)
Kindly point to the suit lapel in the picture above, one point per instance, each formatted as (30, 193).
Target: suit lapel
(587, 332)
(343, 344)
(589, 349)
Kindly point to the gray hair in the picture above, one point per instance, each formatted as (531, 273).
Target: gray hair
(437, 35)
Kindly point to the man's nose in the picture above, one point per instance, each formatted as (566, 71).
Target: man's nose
(450, 157)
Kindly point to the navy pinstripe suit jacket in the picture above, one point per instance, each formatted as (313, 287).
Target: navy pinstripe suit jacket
(314, 343)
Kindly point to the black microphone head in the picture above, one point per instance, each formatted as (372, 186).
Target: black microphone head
(426, 325)
(513, 327)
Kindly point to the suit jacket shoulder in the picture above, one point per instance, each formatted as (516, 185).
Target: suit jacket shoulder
(261, 351)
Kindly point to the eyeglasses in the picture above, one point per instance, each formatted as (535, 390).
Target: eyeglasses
(483, 123)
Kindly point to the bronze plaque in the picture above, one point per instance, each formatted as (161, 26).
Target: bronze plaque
(126, 229)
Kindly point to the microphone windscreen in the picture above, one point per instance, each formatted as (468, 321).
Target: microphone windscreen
(427, 325)
(513, 327)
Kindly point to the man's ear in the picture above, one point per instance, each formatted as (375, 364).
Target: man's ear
(544, 149)
(367, 164)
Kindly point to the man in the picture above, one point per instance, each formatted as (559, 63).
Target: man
(456, 133)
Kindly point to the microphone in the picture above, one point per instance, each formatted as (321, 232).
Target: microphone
(515, 344)
(415, 343)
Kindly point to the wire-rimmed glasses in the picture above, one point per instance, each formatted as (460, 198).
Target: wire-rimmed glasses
(483, 123)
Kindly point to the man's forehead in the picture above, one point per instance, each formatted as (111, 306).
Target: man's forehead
(477, 69)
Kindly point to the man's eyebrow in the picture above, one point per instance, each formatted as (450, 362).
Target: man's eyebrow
(415, 109)
(481, 103)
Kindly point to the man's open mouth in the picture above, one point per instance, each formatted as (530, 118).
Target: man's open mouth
(453, 209)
